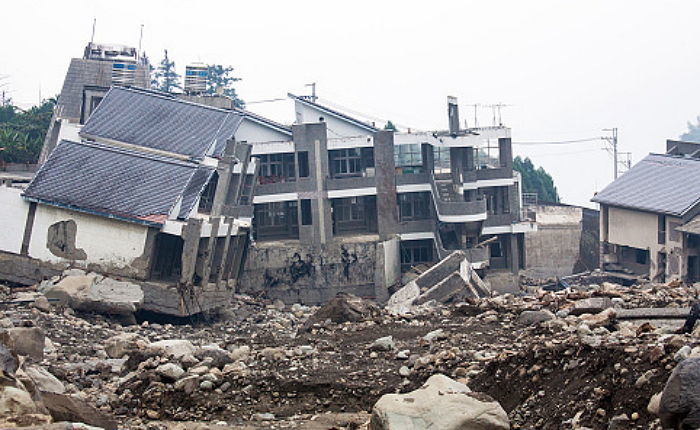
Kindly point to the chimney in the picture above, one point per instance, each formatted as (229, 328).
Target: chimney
(453, 114)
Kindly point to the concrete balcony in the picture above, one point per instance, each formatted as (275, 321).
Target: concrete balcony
(494, 220)
(350, 183)
(275, 188)
(499, 173)
(412, 179)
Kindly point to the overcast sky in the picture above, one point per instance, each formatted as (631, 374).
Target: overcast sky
(566, 69)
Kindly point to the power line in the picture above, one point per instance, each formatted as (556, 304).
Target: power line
(560, 142)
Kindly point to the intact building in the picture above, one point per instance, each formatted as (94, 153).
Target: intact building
(344, 206)
(649, 216)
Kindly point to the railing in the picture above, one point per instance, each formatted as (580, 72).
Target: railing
(455, 207)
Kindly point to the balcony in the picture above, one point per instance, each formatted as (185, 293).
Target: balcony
(494, 220)
(450, 205)
(497, 173)
(350, 182)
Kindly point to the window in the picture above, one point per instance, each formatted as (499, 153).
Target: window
(351, 162)
(303, 159)
(306, 212)
(167, 261)
(276, 220)
(441, 158)
(276, 168)
(408, 158)
(642, 256)
(414, 206)
(355, 214)
(496, 249)
(415, 252)
(206, 200)
(662, 229)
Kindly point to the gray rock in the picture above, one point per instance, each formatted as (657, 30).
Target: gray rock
(27, 341)
(170, 371)
(679, 406)
(383, 344)
(591, 305)
(44, 381)
(441, 403)
(8, 360)
(534, 317)
(95, 293)
(120, 345)
(176, 348)
(438, 334)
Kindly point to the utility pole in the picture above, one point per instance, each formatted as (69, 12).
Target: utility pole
(613, 142)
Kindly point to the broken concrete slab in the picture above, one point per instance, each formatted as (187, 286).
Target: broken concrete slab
(95, 293)
(67, 408)
(592, 305)
(653, 313)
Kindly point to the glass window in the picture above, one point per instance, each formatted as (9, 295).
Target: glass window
(408, 158)
(276, 168)
(414, 206)
(442, 161)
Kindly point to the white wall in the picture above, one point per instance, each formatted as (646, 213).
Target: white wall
(632, 228)
(336, 127)
(107, 242)
(13, 217)
(252, 132)
(69, 131)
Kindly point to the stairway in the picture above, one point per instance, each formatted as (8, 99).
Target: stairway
(446, 191)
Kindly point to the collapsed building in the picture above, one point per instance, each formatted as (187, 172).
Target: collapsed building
(156, 191)
(650, 216)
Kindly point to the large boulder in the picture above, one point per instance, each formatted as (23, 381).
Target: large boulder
(95, 293)
(441, 403)
(44, 381)
(16, 402)
(66, 408)
(680, 402)
(28, 341)
(343, 308)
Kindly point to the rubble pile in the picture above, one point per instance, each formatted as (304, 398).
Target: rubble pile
(548, 359)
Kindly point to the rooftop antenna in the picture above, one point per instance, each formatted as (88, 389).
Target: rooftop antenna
(92, 37)
(313, 91)
(138, 54)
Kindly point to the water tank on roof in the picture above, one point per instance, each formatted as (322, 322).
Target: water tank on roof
(196, 76)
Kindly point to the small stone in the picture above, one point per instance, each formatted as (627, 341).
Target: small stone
(206, 385)
(438, 334)
(404, 371)
(383, 344)
(42, 303)
(682, 353)
(170, 371)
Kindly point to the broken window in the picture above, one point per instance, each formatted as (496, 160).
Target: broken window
(167, 258)
(355, 214)
(408, 158)
(206, 200)
(352, 162)
(276, 168)
(276, 220)
(642, 256)
(414, 206)
(415, 252)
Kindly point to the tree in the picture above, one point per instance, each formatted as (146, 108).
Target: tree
(390, 126)
(166, 78)
(22, 132)
(221, 81)
(536, 180)
(693, 133)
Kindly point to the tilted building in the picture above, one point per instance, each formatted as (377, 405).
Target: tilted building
(156, 191)
(344, 206)
(650, 216)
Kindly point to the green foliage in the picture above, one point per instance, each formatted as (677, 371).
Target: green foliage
(22, 132)
(165, 78)
(220, 80)
(390, 126)
(693, 133)
(536, 180)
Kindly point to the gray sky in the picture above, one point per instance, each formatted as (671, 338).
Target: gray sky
(566, 69)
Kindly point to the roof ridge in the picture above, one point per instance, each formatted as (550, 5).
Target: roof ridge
(132, 152)
(168, 96)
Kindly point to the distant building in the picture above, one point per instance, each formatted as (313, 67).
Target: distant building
(650, 216)
(87, 81)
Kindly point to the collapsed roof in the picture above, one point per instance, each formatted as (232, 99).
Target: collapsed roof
(117, 182)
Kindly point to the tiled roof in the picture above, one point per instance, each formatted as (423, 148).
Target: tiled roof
(115, 182)
(161, 122)
(659, 183)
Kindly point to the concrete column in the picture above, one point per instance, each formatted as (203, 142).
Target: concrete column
(208, 255)
(505, 152)
(385, 175)
(312, 138)
(191, 233)
(226, 250)
(514, 254)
